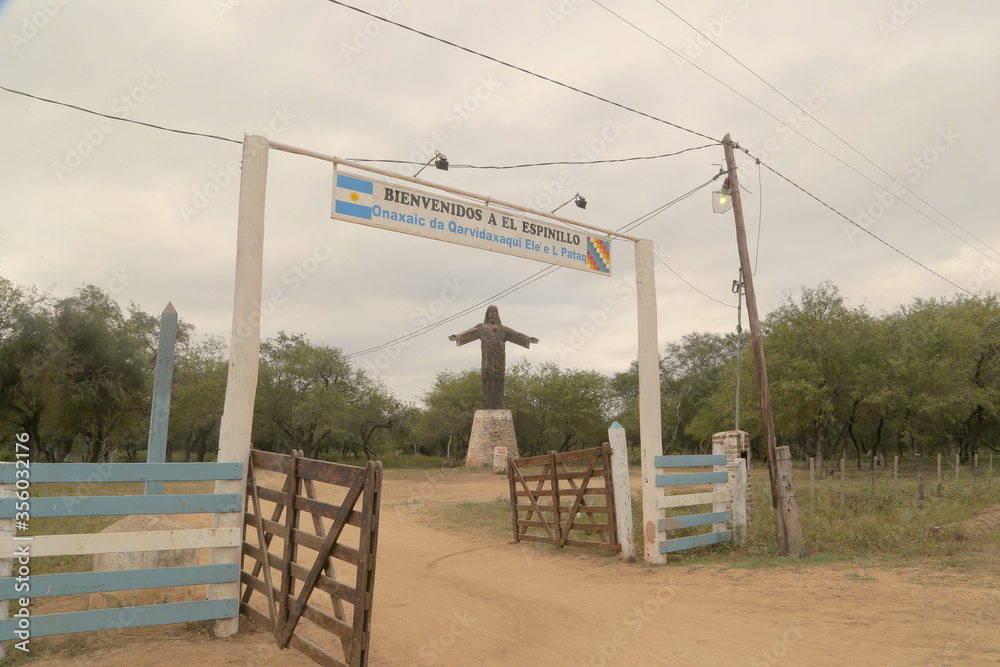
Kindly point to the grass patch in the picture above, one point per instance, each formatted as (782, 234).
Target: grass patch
(490, 518)
(887, 532)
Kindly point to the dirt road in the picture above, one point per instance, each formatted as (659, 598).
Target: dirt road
(448, 597)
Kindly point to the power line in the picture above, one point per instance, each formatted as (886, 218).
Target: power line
(866, 231)
(827, 128)
(796, 131)
(522, 69)
(543, 164)
(684, 280)
(124, 120)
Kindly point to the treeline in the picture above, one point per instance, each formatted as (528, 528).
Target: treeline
(76, 374)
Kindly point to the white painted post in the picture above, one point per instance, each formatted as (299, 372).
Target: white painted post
(244, 356)
(720, 488)
(741, 524)
(622, 490)
(650, 436)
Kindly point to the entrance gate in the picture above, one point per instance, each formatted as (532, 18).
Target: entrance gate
(312, 554)
(557, 504)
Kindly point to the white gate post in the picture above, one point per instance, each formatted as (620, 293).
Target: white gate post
(738, 476)
(244, 357)
(650, 435)
(622, 490)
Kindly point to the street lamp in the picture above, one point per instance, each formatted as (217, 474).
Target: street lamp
(722, 199)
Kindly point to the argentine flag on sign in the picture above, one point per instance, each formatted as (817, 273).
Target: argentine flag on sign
(354, 197)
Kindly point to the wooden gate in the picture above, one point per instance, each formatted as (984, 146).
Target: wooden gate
(550, 504)
(315, 555)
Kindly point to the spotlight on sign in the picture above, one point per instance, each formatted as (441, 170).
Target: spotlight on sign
(439, 160)
(577, 199)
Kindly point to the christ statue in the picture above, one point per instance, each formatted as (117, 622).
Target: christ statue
(493, 335)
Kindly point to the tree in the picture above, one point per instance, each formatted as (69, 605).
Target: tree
(451, 403)
(200, 374)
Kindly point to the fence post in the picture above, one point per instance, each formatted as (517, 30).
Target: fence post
(719, 449)
(975, 467)
(843, 482)
(939, 476)
(812, 483)
(159, 414)
(622, 491)
(738, 473)
(874, 466)
(554, 479)
(920, 481)
(895, 473)
(958, 464)
(787, 505)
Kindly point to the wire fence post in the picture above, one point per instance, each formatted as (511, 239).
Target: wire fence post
(975, 467)
(957, 465)
(812, 483)
(843, 482)
(895, 473)
(920, 481)
(874, 466)
(939, 476)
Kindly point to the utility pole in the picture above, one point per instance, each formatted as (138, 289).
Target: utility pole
(738, 290)
(786, 513)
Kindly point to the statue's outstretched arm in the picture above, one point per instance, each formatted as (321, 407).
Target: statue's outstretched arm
(519, 338)
(467, 336)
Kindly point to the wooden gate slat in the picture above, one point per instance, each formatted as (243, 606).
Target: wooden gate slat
(288, 550)
(275, 515)
(366, 568)
(569, 500)
(292, 619)
(265, 562)
(360, 508)
(534, 503)
(330, 586)
(328, 567)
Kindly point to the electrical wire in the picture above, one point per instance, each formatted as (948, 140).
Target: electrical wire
(866, 231)
(387, 161)
(124, 120)
(544, 164)
(827, 128)
(684, 280)
(811, 141)
(619, 105)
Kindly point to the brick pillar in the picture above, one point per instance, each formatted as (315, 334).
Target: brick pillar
(735, 444)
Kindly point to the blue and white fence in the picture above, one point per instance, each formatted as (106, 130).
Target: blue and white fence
(20, 505)
(724, 488)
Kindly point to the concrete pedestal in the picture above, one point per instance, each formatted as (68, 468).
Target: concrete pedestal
(490, 429)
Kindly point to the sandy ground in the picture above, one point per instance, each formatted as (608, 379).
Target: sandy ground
(447, 597)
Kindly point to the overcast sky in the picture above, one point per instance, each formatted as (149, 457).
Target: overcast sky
(909, 86)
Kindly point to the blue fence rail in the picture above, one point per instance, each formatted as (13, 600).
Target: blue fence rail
(716, 496)
(17, 549)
